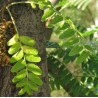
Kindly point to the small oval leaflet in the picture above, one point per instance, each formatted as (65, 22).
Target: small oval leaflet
(82, 57)
(33, 5)
(29, 50)
(64, 26)
(21, 83)
(55, 21)
(33, 86)
(70, 42)
(35, 79)
(16, 57)
(47, 13)
(22, 91)
(76, 50)
(67, 33)
(19, 76)
(14, 48)
(34, 68)
(27, 40)
(32, 58)
(28, 89)
(13, 40)
(18, 66)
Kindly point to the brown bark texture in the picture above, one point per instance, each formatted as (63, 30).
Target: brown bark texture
(28, 22)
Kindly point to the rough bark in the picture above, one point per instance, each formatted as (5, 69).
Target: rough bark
(28, 22)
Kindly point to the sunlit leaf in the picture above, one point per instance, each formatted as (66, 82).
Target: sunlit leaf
(20, 75)
(33, 5)
(34, 68)
(16, 57)
(47, 13)
(32, 58)
(13, 40)
(89, 33)
(14, 48)
(29, 50)
(22, 91)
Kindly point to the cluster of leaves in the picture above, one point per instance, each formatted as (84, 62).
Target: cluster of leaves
(66, 30)
(27, 73)
(60, 76)
(23, 59)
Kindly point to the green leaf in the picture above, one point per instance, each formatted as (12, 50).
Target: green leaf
(76, 50)
(67, 33)
(13, 40)
(55, 21)
(34, 68)
(28, 89)
(16, 57)
(27, 40)
(82, 57)
(41, 6)
(64, 26)
(18, 66)
(89, 33)
(14, 48)
(33, 5)
(35, 79)
(22, 91)
(25, 89)
(20, 75)
(47, 13)
(21, 83)
(32, 86)
(71, 42)
(32, 58)
(29, 50)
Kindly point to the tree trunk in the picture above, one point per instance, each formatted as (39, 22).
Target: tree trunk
(28, 22)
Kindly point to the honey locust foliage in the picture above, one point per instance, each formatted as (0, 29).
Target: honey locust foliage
(66, 30)
(23, 59)
(25, 55)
